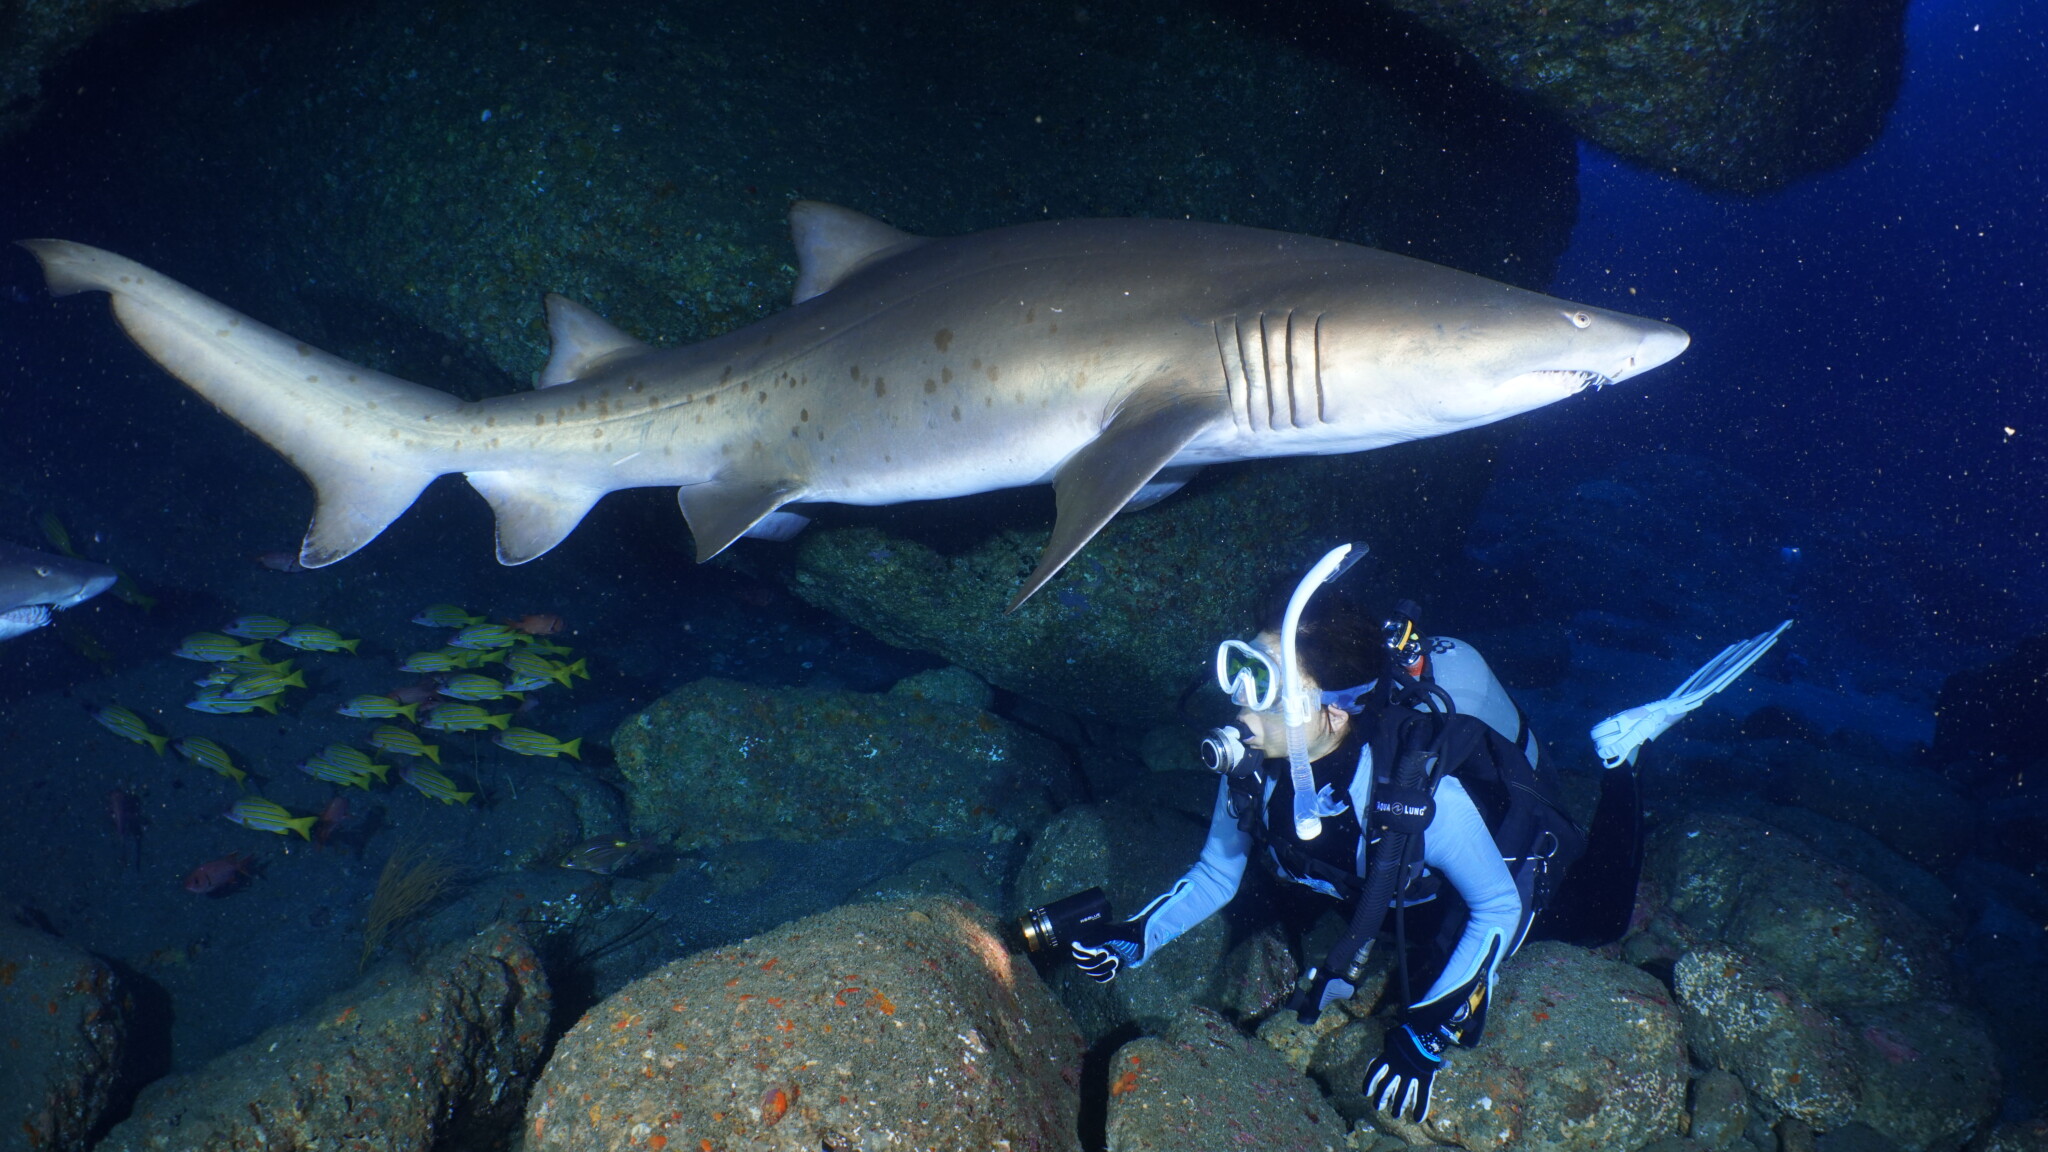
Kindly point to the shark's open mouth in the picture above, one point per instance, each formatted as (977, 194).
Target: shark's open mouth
(1586, 377)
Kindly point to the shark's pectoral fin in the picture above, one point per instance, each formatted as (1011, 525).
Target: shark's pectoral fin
(582, 341)
(534, 511)
(1095, 483)
(722, 511)
(1169, 481)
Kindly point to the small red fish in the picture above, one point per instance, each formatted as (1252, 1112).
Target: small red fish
(281, 561)
(418, 692)
(219, 877)
(536, 624)
(126, 813)
(332, 818)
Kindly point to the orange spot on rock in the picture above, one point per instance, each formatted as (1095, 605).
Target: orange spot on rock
(775, 1104)
(657, 1141)
(1124, 1083)
(882, 1002)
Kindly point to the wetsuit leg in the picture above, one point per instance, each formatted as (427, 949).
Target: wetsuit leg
(1593, 905)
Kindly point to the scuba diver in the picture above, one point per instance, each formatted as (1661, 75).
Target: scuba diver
(1391, 770)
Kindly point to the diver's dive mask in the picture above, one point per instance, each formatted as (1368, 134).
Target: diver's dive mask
(1254, 679)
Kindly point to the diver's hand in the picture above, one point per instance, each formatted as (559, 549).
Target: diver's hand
(1398, 1080)
(1103, 955)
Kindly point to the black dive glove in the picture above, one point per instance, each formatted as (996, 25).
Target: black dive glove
(1399, 1079)
(1105, 953)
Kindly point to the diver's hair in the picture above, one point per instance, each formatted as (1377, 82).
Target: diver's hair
(1338, 643)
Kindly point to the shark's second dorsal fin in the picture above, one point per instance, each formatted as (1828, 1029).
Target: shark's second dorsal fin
(832, 242)
(582, 340)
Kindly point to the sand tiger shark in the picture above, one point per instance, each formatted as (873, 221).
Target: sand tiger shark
(35, 585)
(1101, 356)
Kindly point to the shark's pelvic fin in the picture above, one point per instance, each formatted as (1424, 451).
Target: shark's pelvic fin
(354, 433)
(582, 341)
(722, 511)
(833, 242)
(535, 512)
(1149, 429)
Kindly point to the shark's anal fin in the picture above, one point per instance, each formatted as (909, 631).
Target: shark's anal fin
(582, 340)
(1149, 429)
(534, 511)
(722, 511)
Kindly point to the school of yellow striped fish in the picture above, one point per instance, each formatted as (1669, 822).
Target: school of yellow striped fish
(482, 665)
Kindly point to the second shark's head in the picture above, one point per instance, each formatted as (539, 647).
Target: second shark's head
(1441, 364)
(33, 584)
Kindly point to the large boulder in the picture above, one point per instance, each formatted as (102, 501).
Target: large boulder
(892, 1027)
(1133, 852)
(1732, 95)
(717, 762)
(640, 157)
(1124, 630)
(1912, 809)
(1581, 1054)
(1204, 1085)
(63, 1034)
(1795, 1057)
(415, 1059)
(1833, 934)
(37, 36)
(1929, 1072)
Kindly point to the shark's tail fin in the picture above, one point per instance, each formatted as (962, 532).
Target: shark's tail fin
(361, 437)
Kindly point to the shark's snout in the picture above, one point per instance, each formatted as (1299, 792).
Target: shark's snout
(1660, 345)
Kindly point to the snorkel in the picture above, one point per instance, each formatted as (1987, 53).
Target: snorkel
(1297, 705)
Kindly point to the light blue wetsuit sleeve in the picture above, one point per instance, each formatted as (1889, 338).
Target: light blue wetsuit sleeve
(1207, 886)
(1459, 848)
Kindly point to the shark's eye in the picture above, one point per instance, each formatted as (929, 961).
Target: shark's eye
(1580, 319)
(42, 571)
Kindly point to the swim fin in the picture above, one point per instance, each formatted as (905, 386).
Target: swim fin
(1618, 737)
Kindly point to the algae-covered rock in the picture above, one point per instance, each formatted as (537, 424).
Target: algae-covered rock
(1929, 1072)
(1732, 94)
(1913, 810)
(1795, 1057)
(894, 1027)
(63, 1033)
(1133, 620)
(1206, 1085)
(640, 157)
(1581, 1054)
(413, 1060)
(717, 761)
(1834, 935)
(1133, 852)
(38, 35)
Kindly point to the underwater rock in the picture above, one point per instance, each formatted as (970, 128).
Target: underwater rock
(1206, 1085)
(1795, 1057)
(1581, 1054)
(1720, 1110)
(38, 36)
(1991, 717)
(900, 1026)
(1865, 854)
(1831, 933)
(1731, 95)
(1133, 852)
(1911, 809)
(2031, 1136)
(63, 1035)
(440, 1056)
(1640, 556)
(949, 685)
(639, 158)
(717, 762)
(1126, 628)
(1929, 1072)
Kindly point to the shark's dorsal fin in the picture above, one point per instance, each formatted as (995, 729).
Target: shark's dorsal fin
(832, 242)
(1149, 429)
(721, 511)
(582, 340)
